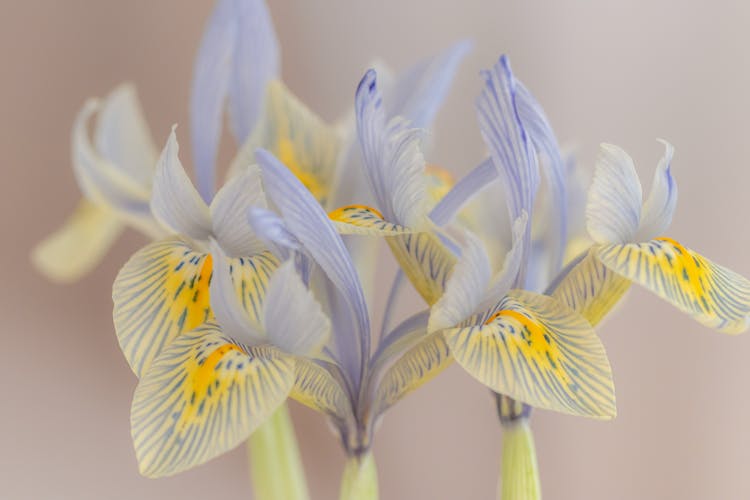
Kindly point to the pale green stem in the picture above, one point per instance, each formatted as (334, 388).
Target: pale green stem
(519, 473)
(275, 464)
(360, 479)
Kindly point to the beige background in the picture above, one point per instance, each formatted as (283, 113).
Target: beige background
(625, 72)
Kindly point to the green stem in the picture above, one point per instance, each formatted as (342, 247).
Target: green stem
(519, 473)
(360, 479)
(275, 464)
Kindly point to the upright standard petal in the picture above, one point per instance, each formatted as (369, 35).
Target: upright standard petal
(160, 292)
(510, 146)
(613, 211)
(79, 245)
(293, 319)
(419, 92)
(462, 192)
(203, 396)
(309, 223)
(712, 294)
(539, 352)
(175, 202)
(122, 135)
(393, 161)
(229, 213)
(662, 200)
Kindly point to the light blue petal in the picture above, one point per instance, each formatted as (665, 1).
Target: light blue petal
(462, 192)
(227, 306)
(174, 201)
(613, 210)
(394, 164)
(211, 75)
(543, 137)
(662, 200)
(229, 213)
(255, 61)
(271, 228)
(509, 144)
(293, 319)
(418, 93)
(307, 220)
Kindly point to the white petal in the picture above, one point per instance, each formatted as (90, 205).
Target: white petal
(662, 200)
(175, 202)
(613, 212)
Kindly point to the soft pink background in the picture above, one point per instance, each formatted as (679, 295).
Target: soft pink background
(625, 72)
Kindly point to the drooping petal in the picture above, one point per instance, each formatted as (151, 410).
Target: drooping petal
(613, 211)
(365, 221)
(426, 261)
(510, 147)
(538, 351)
(100, 180)
(301, 140)
(309, 223)
(293, 319)
(662, 200)
(589, 288)
(203, 396)
(229, 213)
(419, 92)
(318, 386)
(175, 202)
(465, 288)
(123, 137)
(712, 294)
(394, 164)
(414, 368)
(79, 245)
(255, 62)
(160, 292)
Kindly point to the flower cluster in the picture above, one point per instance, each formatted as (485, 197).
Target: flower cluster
(258, 292)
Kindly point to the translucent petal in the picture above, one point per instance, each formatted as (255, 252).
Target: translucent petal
(79, 245)
(203, 396)
(293, 319)
(229, 213)
(613, 211)
(712, 294)
(175, 202)
(590, 288)
(123, 137)
(538, 351)
(364, 220)
(662, 200)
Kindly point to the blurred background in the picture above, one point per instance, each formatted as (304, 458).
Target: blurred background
(622, 72)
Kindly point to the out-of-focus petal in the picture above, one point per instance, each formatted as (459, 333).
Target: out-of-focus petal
(123, 137)
(79, 245)
(203, 396)
(293, 319)
(160, 292)
(538, 351)
(712, 294)
(418, 93)
(662, 200)
(613, 211)
(175, 202)
(503, 280)
(462, 192)
(229, 213)
(317, 386)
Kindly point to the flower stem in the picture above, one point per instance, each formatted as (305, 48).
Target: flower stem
(360, 479)
(275, 464)
(519, 473)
